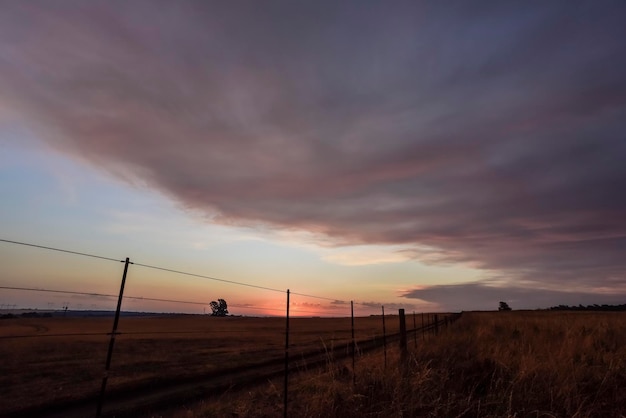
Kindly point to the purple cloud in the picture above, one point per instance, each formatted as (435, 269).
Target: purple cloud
(490, 133)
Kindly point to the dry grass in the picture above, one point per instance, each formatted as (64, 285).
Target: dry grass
(48, 369)
(510, 364)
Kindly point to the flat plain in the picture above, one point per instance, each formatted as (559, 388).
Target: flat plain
(51, 360)
(538, 364)
(486, 364)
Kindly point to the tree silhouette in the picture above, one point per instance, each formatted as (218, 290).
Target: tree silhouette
(504, 307)
(219, 308)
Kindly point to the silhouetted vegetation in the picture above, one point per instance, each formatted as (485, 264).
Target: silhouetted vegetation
(504, 307)
(27, 315)
(219, 308)
(594, 307)
(36, 315)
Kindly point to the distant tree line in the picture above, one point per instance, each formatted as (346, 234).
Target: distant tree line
(594, 307)
(26, 315)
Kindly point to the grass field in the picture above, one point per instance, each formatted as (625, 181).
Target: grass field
(49, 363)
(501, 364)
(498, 364)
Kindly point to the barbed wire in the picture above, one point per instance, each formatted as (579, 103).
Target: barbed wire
(202, 276)
(69, 334)
(181, 272)
(59, 250)
(294, 309)
(70, 292)
(219, 331)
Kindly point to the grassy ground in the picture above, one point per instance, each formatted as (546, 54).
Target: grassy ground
(48, 368)
(509, 364)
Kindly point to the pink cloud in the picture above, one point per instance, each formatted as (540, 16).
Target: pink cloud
(488, 144)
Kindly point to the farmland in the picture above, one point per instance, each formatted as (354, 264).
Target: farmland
(61, 359)
(504, 364)
(513, 364)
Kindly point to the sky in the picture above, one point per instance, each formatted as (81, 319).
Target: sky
(432, 156)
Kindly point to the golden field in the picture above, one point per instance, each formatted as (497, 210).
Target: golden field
(51, 362)
(491, 364)
(499, 364)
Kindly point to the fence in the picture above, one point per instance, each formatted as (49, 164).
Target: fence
(56, 355)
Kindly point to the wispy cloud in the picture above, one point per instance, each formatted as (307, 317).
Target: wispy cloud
(392, 307)
(490, 134)
(365, 255)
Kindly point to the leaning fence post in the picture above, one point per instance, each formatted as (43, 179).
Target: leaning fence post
(107, 365)
(353, 344)
(384, 337)
(286, 383)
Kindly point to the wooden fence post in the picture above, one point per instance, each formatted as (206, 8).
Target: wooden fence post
(384, 338)
(353, 344)
(414, 330)
(107, 366)
(403, 349)
(286, 382)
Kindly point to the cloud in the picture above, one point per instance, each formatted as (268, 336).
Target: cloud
(488, 134)
(391, 308)
(306, 304)
(486, 296)
(365, 255)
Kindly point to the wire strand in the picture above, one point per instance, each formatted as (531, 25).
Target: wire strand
(131, 333)
(71, 334)
(59, 250)
(69, 292)
(271, 289)
(202, 276)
